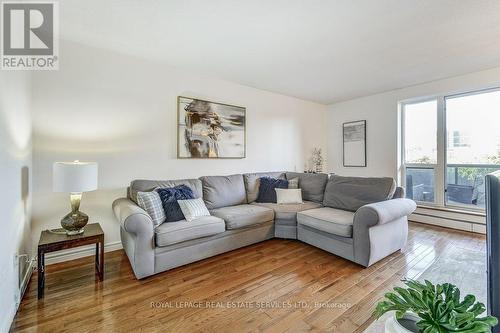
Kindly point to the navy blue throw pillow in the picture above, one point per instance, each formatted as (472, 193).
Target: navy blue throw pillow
(267, 186)
(169, 197)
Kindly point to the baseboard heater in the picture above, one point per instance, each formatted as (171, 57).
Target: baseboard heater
(450, 219)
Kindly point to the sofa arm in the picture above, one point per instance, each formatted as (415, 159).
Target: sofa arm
(132, 218)
(137, 235)
(380, 229)
(384, 211)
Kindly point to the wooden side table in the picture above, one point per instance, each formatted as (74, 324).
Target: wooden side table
(50, 242)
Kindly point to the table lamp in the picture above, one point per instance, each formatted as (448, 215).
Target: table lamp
(75, 178)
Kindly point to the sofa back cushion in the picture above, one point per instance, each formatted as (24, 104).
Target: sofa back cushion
(223, 191)
(312, 184)
(141, 185)
(350, 193)
(252, 183)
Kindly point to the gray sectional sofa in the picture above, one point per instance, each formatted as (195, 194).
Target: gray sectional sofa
(360, 219)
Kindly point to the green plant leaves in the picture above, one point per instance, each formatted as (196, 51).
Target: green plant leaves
(438, 307)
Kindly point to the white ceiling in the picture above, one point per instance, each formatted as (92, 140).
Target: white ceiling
(323, 51)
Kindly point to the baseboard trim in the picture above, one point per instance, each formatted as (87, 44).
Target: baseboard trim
(19, 294)
(25, 281)
(84, 251)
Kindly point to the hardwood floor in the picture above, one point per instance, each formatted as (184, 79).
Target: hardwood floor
(274, 286)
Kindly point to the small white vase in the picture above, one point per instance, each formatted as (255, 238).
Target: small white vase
(405, 325)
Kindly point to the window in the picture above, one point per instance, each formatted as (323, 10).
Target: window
(421, 132)
(476, 152)
(420, 150)
(449, 144)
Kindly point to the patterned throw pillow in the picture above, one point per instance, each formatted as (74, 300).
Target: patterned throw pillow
(169, 197)
(193, 208)
(151, 203)
(293, 183)
(267, 188)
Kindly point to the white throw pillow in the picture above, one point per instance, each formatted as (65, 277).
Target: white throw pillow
(193, 208)
(151, 203)
(288, 196)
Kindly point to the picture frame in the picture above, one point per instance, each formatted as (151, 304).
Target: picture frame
(354, 143)
(210, 130)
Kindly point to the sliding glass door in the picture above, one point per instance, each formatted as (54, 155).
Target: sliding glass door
(449, 143)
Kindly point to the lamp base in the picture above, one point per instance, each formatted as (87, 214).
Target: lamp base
(74, 222)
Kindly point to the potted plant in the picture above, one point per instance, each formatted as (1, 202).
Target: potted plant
(428, 308)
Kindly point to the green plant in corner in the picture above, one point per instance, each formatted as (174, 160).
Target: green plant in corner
(438, 307)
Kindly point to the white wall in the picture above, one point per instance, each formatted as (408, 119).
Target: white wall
(15, 175)
(121, 112)
(381, 114)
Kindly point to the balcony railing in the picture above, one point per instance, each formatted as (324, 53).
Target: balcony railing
(464, 184)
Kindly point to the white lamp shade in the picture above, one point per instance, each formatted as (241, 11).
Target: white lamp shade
(74, 176)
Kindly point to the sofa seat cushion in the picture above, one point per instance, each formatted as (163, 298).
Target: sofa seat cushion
(241, 216)
(288, 211)
(333, 221)
(177, 232)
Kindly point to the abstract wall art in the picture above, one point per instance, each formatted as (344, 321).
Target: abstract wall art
(210, 130)
(354, 151)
